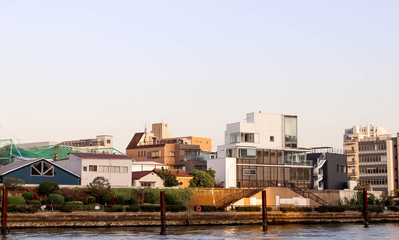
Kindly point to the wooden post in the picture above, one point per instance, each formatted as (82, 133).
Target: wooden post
(264, 210)
(365, 208)
(4, 228)
(163, 212)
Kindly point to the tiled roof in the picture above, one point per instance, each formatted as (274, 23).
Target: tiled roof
(138, 175)
(100, 156)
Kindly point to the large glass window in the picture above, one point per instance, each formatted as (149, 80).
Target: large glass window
(247, 153)
(243, 137)
(290, 127)
(235, 138)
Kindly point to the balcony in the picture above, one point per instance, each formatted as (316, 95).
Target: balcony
(350, 152)
(352, 163)
(352, 174)
(195, 158)
(300, 162)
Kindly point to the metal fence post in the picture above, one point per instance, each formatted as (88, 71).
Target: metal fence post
(264, 211)
(163, 212)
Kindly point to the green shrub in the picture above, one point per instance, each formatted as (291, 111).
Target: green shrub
(377, 209)
(296, 209)
(389, 202)
(69, 198)
(395, 209)
(48, 187)
(248, 209)
(23, 209)
(56, 198)
(115, 208)
(133, 208)
(106, 198)
(76, 205)
(210, 209)
(396, 202)
(66, 208)
(27, 195)
(57, 192)
(150, 208)
(33, 202)
(91, 200)
(120, 200)
(16, 200)
(92, 207)
(331, 209)
(169, 199)
(132, 201)
(175, 208)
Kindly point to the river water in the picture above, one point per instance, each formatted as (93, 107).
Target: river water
(292, 231)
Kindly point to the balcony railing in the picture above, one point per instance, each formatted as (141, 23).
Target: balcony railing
(195, 158)
(350, 151)
(300, 162)
(351, 163)
(352, 174)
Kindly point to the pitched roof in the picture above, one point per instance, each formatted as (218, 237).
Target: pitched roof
(138, 175)
(19, 164)
(100, 156)
(135, 140)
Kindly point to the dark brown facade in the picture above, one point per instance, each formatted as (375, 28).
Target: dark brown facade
(269, 169)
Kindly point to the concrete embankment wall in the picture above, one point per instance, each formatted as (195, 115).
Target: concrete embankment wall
(99, 219)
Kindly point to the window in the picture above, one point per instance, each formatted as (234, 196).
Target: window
(155, 154)
(123, 169)
(92, 168)
(42, 169)
(147, 184)
(249, 171)
(115, 169)
(108, 141)
(290, 129)
(247, 153)
(171, 154)
(103, 168)
(341, 168)
(271, 138)
(84, 169)
(235, 138)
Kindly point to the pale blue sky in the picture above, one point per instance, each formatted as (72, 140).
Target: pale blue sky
(77, 69)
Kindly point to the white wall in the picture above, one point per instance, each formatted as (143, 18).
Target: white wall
(264, 124)
(115, 179)
(226, 171)
(152, 178)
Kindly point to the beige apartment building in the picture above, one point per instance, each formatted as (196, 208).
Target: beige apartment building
(186, 153)
(372, 157)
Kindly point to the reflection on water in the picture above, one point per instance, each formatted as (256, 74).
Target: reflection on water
(315, 231)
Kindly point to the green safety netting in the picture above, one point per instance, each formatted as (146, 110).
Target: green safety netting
(8, 150)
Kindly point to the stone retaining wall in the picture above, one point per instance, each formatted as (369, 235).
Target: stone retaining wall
(102, 219)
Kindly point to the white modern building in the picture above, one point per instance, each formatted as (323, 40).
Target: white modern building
(116, 168)
(262, 151)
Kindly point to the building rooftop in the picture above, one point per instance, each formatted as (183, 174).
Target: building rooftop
(100, 156)
(138, 175)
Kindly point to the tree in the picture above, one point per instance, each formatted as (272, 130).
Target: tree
(211, 172)
(99, 187)
(201, 179)
(48, 187)
(13, 184)
(169, 179)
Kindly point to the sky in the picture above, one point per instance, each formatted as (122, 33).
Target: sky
(76, 69)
